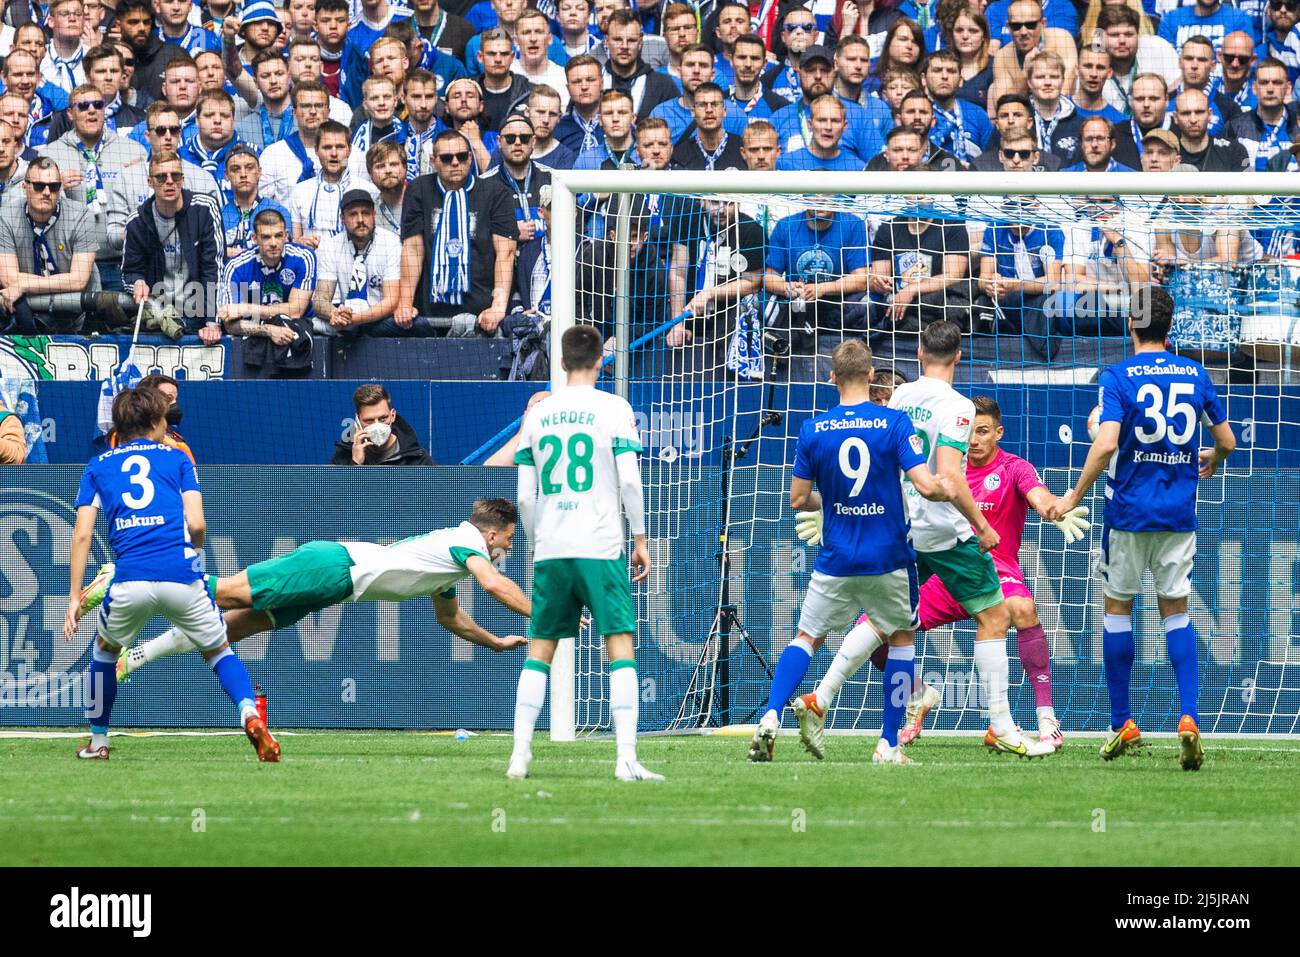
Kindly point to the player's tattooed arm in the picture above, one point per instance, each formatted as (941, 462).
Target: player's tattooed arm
(452, 617)
(499, 586)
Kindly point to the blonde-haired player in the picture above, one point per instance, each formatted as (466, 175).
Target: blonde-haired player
(578, 473)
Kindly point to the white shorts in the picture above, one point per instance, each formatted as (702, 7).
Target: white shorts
(1127, 555)
(832, 604)
(128, 606)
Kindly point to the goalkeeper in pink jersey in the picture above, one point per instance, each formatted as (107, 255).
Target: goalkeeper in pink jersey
(1004, 486)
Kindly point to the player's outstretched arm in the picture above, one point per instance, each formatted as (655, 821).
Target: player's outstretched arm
(629, 483)
(1072, 524)
(452, 617)
(952, 477)
(926, 483)
(499, 586)
(1225, 443)
(1099, 456)
(82, 534)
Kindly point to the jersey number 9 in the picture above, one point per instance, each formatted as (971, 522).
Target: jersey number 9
(858, 473)
(1162, 417)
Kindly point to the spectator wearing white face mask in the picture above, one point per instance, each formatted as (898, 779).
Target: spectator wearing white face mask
(379, 436)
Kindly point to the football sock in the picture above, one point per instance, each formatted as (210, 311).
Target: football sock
(791, 668)
(171, 642)
(1045, 713)
(1034, 658)
(1180, 639)
(1117, 656)
(897, 689)
(994, 671)
(623, 690)
(529, 698)
(101, 692)
(854, 651)
(235, 682)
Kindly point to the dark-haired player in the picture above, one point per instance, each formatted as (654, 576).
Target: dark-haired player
(281, 591)
(1151, 404)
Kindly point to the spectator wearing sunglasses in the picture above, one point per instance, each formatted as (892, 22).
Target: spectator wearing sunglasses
(1237, 59)
(798, 33)
(1206, 18)
(174, 246)
(1029, 37)
(103, 65)
(527, 187)
(47, 256)
(458, 249)
(1014, 116)
(1281, 39)
(1058, 14)
(92, 158)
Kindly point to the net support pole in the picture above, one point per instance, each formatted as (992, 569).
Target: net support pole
(622, 300)
(564, 289)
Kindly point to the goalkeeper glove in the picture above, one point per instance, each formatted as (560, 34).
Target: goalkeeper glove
(1072, 524)
(808, 526)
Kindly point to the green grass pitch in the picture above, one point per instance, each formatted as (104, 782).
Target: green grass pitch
(402, 798)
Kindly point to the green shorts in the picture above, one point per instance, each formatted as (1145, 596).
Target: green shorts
(967, 573)
(562, 587)
(313, 576)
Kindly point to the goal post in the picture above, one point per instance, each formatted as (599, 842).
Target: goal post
(721, 415)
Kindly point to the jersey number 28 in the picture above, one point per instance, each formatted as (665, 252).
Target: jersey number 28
(1162, 418)
(579, 473)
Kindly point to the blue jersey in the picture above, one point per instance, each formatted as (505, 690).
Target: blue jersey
(138, 486)
(1180, 25)
(1157, 398)
(248, 280)
(854, 454)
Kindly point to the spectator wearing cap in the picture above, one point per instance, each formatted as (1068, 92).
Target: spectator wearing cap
(463, 114)
(62, 66)
(259, 26)
(1097, 149)
(1209, 154)
(1281, 41)
(293, 160)
(174, 246)
(363, 31)
(627, 72)
(1149, 102)
(360, 271)
(244, 201)
(1271, 127)
(794, 122)
(1160, 151)
(708, 146)
(136, 21)
(798, 33)
(458, 249)
(92, 158)
(524, 183)
(314, 204)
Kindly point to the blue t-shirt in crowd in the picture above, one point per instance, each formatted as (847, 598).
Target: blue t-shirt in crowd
(1158, 399)
(800, 253)
(854, 454)
(139, 488)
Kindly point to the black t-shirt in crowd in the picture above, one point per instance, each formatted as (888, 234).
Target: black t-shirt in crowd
(896, 242)
(490, 214)
(688, 154)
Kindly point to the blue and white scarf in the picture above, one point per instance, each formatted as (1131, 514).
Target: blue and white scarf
(286, 125)
(949, 132)
(449, 260)
(364, 137)
(745, 350)
(415, 141)
(710, 159)
(42, 253)
(193, 40)
(588, 130)
(68, 66)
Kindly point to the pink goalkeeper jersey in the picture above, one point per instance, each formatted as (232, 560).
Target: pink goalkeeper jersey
(1001, 491)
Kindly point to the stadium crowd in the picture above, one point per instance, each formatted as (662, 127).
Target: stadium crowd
(360, 167)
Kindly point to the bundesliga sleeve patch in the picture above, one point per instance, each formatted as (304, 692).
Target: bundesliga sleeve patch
(962, 421)
(917, 447)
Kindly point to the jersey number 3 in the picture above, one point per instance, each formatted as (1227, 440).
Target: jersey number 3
(136, 468)
(849, 450)
(579, 473)
(1162, 418)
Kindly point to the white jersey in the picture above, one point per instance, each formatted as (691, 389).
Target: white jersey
(941, 416)
(572, 437)
(428, 564)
